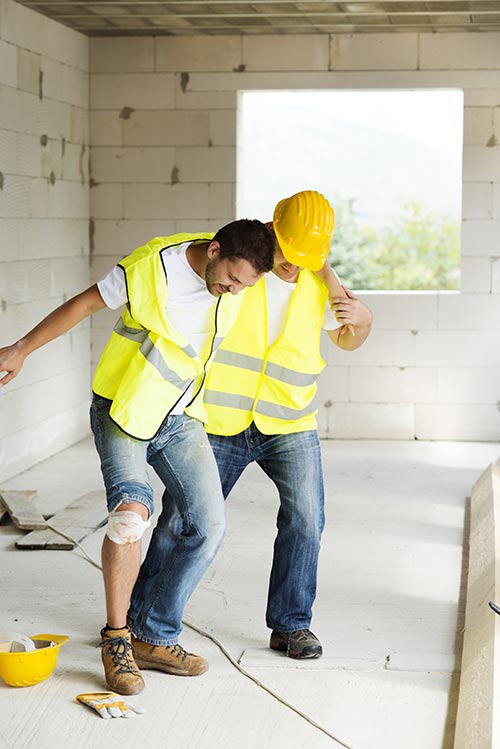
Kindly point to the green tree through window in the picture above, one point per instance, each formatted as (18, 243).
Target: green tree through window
(420, 250)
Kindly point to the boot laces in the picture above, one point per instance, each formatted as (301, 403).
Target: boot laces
(303, 634)
(178, 651)
(121, 652)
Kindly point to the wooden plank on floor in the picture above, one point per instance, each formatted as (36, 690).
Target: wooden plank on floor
(22, 509)
(78, 520)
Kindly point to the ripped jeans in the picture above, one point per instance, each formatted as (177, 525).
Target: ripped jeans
(190, 527)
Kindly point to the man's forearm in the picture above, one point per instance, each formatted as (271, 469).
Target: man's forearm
(61, 320)
(55, 324)
(331, 281)
(344, 338)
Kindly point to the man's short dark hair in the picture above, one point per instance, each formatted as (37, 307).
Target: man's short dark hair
(249, 239)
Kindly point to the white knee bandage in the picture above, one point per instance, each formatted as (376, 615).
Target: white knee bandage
(125, 527)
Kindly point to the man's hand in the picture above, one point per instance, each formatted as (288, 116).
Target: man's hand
(11, 361)
(351, 312)
(355, 318)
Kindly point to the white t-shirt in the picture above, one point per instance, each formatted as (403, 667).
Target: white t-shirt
(279, 294)
(190, 305)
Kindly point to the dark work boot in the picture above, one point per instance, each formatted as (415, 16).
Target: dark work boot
(299, 644)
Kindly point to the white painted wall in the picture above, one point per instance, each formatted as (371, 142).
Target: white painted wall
(163, 134)
(44, 217)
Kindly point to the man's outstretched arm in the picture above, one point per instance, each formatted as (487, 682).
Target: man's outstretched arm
(55, 324)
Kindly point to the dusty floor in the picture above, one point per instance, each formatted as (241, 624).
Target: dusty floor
(389, 614)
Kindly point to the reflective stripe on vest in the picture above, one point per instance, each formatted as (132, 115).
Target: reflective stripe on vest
(154, 357)
(276, 371)
(275, 387)
(229, 400)
(283, 412)
(239, 360)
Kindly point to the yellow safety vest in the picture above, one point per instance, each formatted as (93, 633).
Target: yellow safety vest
(275, 386)
(148, 365)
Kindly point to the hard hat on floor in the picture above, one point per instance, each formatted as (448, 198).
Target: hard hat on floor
(23, 669)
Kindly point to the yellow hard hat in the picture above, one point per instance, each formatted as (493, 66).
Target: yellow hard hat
(28, 668)
(304, 225)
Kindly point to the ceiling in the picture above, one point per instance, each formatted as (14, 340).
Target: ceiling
(191, 17)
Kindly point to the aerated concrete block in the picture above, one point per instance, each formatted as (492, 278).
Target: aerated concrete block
(460, 51)
(468, 384)
(392, 384)
(481, 164)
(136, 90)
(448, 348)
(477, 200)
(371, 421)
(216, 164)
(220, 53)
(469, 312)
(481, 237)
(478, 125)
(457, 421)
(374, 52)
(286, 52)
(476, 275)
(106, 128)
(222, 127)
(381, 348)
(132, 164)
(106, 201)
(166, 128)
(131, 54)
(8, 64)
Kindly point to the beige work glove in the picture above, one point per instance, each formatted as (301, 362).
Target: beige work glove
(109, 705)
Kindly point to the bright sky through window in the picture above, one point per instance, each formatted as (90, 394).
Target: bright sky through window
(372, 153)
(368, 146)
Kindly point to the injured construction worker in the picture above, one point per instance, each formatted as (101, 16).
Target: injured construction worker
(259, 397)
(180, 299)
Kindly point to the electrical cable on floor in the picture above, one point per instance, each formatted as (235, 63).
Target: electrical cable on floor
(226, 653)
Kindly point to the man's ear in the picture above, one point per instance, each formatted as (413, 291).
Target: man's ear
(213, 249)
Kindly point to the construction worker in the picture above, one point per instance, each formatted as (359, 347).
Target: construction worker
(179, 296)
(259, 396)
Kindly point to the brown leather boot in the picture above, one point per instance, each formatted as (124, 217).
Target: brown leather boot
(122, 674)
(172, 659)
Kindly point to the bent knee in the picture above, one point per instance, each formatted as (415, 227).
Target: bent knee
(208, 536)
(126, 526)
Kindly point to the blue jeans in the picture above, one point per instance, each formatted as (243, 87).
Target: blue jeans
(191, 525)
(293, 463)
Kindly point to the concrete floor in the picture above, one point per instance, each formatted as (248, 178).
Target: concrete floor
(389, 613)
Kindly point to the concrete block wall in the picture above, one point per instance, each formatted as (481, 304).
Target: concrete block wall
(164, 115)
(44, 238)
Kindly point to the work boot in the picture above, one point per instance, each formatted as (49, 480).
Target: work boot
(299, 644)
(172, 659)
(120, 668)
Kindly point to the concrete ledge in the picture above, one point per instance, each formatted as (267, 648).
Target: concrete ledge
(478, 714)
